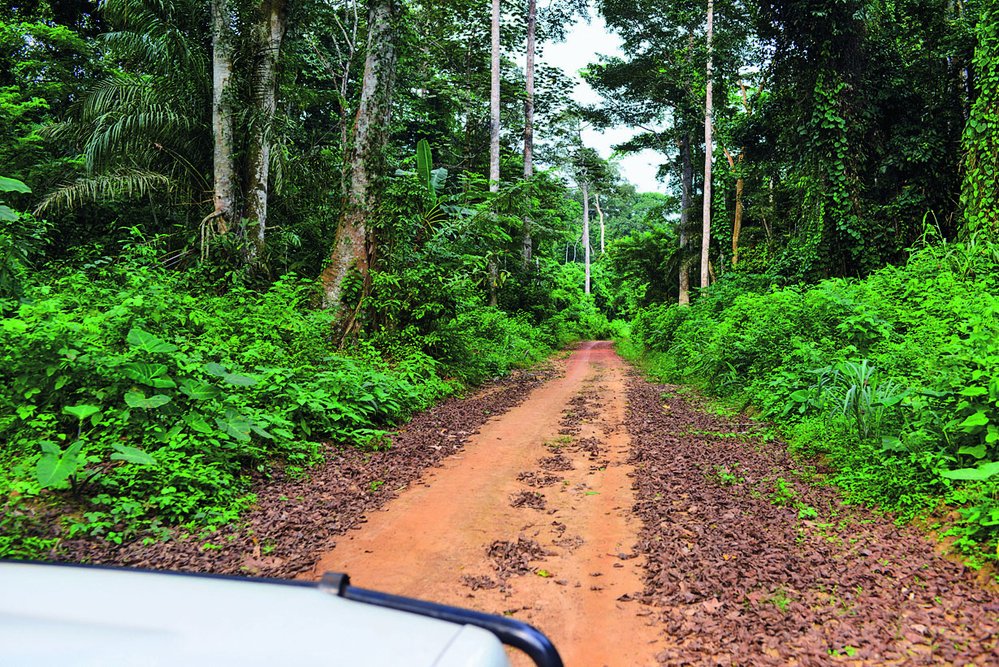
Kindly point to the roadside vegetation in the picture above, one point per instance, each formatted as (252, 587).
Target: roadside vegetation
(891, 380)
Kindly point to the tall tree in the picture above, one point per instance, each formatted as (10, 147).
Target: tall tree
(494, 98)
(494, 132)
(269, 32)
(532, 20)
(708, 153)
(686, 196)
(584, 189)
(223, 115)
(351, 248)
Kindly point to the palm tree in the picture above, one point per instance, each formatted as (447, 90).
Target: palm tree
(144, 129)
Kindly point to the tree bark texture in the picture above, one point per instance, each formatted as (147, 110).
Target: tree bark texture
(585, 188)
(708, 151)
(600, 215)
(223, 158)
(351, 249)
(494, 131)
(737, 223)
(532, 11)
(686, 194)
(269, 34)
(494, 101)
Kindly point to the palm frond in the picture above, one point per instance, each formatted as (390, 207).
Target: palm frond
(122, 184)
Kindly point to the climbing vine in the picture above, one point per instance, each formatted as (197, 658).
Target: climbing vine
(981, 135)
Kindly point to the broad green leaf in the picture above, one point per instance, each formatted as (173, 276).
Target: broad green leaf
(52, 470)
(235, 425)
(199, 391)
(978, 451)
(153, 375)
(218, 370)
(974, 422)
(13, 185)
(137, 399)
(147, 342)
(424, 161)
(993, 434)
(131, 455)
(890, 443)
(979, 474)
(198, 423)
(240, 380)
(261, 432)
(81, 412)
(973, 391)
(7, 214)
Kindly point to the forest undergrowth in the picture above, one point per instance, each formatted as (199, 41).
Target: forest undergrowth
(891, 380)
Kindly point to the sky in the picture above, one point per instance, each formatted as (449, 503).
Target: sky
(584, 42)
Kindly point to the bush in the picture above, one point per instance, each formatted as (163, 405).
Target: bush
(125, 394)
(893, 377)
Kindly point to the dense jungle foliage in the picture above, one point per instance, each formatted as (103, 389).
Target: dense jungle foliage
(233, 230)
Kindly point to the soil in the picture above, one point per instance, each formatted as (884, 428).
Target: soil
(753, 561)
(621, 518)
(482, 533)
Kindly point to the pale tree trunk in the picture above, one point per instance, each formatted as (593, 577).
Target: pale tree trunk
(686, 194)
(532, 10)
(600, 214)
(222, 116)
(585, 188)
(708, 150)
(371, 130)
(494, 101)
(494, 132)
(270, 32)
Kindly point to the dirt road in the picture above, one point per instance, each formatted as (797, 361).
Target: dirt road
(622, 518)
(532, 519)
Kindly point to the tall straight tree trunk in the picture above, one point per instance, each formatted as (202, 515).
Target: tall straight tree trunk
(708, 150)
(223, 158)
(270, 32)
(532, 11)
(600, 214)
(494, 101)
(686, 194)
(585, 188)
(494, 132)
(371, 129)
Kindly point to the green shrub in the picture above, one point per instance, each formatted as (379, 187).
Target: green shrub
(123, 393)
(893, 378)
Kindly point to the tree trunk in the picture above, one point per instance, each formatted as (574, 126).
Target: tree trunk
(532, 10)
(737, 224)
(686, 194)
(600, 214)
(494, 101)
(270, 32)
(584, 186)
(708, 150)
(494, 131)
(351, 249)
(222, 115)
